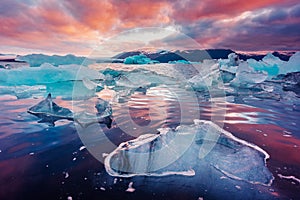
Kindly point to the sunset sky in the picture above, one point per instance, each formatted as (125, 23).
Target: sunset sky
(79, 26)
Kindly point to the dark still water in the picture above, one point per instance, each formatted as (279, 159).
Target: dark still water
(42, 162)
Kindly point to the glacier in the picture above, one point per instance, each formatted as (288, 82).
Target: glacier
(188, 147)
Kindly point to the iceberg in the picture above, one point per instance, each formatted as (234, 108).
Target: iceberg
(207, 78)
(233, 59)
(49, 112)
(272, 60)
(142, 79)
(293, 65)
(102, 116)
(231, 64)
(47, 73)
(246, 76)
(23, 91)
(268, 65)
(139, 59)
(180, 62)
(36, 60)
(274, 66)
(187, 148)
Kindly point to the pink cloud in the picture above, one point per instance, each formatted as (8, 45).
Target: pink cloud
(62, 25)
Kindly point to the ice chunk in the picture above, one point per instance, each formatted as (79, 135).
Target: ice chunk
(190, 147)
(23, 91)
(227, 76)
(89, 84)
(47, 73)
(50, 112)
(272, 60)
(247, 76)
(139, 59)
(233, 59)
(293, 65)
(231, 69)
(179, 62)
(102, 116)
(103, 108)
(206, 78)
(230, 64)
(271, 68)
(107, 94)
(143, 79)
(130, 188)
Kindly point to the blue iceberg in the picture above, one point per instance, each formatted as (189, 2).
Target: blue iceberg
(139, 60)
(47, 73)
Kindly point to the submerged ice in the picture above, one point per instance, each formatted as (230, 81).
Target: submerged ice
(188, 147)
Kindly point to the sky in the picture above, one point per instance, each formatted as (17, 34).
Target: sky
(81, 26)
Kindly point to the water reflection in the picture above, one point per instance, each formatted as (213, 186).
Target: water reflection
(273, 127)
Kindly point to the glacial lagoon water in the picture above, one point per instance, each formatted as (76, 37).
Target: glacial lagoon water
(39, 161)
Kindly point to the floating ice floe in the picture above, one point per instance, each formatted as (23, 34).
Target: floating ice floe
(102, 116)
(23, 91)
(49, 112)
(188, 147)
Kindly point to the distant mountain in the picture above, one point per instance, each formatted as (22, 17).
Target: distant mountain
(163, 56)
(8, 58)
(196, 55)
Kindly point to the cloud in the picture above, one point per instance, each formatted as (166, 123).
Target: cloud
(77, 26)
(274, 29)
